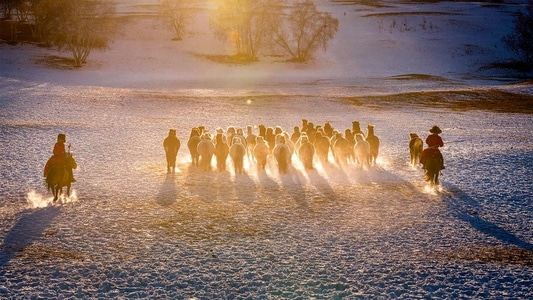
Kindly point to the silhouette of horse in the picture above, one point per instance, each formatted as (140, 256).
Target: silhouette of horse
(416, 146)
(322, 145)
(206, 149)
(282, 153)
(237, 152)
(261, 151)
(362, 152)
(171, 144)
(306, 153)
(59, 177)
(373, 140)
(192, 144)
(433, 168)
(342, 150)
(221, 152)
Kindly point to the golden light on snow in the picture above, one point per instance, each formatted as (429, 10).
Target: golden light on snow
(37, 200)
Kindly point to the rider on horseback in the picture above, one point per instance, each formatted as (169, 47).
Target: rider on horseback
(434, 141)
(59, 157)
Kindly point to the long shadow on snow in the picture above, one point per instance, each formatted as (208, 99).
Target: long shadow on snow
(244, 187)
(291, 183)
(467, 208)
(28, 229)
(167, 192)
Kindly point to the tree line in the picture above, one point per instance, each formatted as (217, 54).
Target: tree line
(81, 26)
(77, 26)
(295, 27)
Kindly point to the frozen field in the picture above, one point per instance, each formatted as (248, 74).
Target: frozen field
(130, 230)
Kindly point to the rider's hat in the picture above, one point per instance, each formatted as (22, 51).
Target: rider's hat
(62, 137)
(435, 129)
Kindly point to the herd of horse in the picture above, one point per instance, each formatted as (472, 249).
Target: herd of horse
(306, 142)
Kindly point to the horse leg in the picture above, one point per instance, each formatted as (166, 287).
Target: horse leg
(55, 192)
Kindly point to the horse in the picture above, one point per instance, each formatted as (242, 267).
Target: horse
(250, 141)
(433, 167)
(221, 152)
(322, 147)
(206, 149)
(261, 151)
(362, 151)
(282, 153)
(171, 144)
(59, 176)
(306, 152)
(416, 146)
(237, 152)
(373, 140)
(341, 150)
(192, 144)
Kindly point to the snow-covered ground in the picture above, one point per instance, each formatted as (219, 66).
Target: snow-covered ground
(132, 231)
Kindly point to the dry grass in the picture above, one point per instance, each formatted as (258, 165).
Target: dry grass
(40, 252)
(56, 62)
(504, 255)
(489, 100)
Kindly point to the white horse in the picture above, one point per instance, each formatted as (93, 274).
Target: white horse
(237, 152)
(362, 150)
(206, 149)
(261, 152)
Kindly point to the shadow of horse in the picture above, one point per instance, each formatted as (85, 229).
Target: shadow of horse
(245, 188)
(292, 184)
(167, 194)
(28, 229)
(322, 185)
(466, 210)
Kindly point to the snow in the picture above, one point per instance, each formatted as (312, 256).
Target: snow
(130, 230)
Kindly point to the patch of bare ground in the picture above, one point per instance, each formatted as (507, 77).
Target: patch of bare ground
(412, 13)
(374, 3)
(42, 252)
(237, 59)
(56, 62)
(489, 100)
(504, 255)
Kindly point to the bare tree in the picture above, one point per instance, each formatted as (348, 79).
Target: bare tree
(521, 40)
(244, 22)
(179, 14)
(87, 25)
(46, 16)
(8, 7)
(303, 31)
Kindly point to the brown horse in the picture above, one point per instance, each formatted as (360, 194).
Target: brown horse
(373, 140)
(59, 177)
(416, 146)
(433, 168)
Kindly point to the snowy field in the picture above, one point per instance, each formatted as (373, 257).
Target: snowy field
(130, 230)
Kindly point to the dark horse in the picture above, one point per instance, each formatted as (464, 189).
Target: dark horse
(433, 168)
(59, 176)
